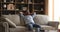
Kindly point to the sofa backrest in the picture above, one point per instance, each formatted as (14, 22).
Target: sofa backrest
(41, 19)
(15, 19)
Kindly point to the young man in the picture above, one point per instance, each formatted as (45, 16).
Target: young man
(28, 18)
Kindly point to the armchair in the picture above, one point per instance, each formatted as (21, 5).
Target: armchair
(41, 20)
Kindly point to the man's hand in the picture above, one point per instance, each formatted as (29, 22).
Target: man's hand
(21, 14)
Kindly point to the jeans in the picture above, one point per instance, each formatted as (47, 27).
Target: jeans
(31, 26)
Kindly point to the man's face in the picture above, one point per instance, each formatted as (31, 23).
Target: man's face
(26, 13)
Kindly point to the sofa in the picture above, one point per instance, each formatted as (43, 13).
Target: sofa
(19, 24)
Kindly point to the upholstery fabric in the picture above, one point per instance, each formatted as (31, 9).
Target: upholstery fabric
(2, 29)
(22, 29)
(13, 18)
(41, 19)
(46, 27)
(16, 19)
(22, 23)
(53, 24)
(10, 23)
(6, 26)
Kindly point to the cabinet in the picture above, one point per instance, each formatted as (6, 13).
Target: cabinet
(15, 6)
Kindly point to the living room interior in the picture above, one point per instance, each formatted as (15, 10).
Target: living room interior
(47, 15)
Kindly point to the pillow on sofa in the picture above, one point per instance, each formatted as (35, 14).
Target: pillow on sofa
(41, 19)
(10, 23)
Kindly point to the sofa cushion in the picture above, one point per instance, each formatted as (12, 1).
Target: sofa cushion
(22, 22)
(10, 23)
(14, 18)
(18, 29)
(41, 19)
(46, 27)
(23, 27)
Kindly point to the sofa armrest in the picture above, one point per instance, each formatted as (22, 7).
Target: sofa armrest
(53, 24)
(4, 27)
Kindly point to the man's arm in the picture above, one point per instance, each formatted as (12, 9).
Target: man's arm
(34, 14)
(21, 14)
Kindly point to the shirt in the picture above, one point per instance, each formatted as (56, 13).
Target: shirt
(28, 18)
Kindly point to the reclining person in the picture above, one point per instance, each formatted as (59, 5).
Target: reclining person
(28, 18)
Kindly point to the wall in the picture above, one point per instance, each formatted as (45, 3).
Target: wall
(50, 10)
(56, 10)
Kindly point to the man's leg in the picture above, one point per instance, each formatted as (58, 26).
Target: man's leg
(30, 27)
(37, 28)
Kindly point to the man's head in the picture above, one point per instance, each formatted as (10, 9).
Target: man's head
(26, 12)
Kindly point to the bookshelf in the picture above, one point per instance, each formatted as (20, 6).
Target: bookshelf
(15, 6)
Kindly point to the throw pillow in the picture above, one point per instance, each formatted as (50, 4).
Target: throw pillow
(10, 23)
